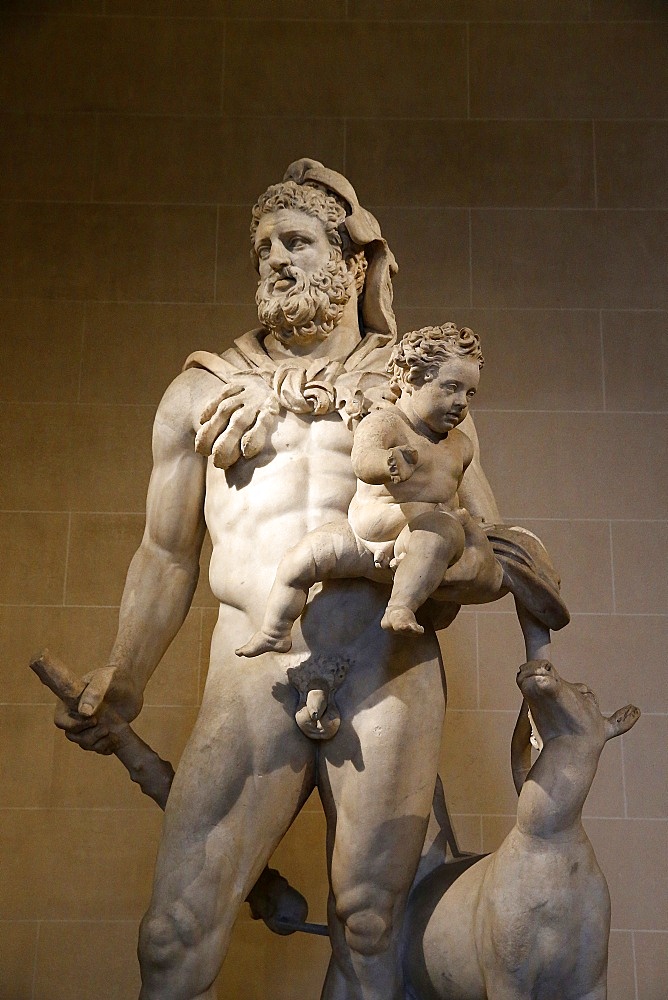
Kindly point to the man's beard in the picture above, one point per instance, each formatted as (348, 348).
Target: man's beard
(309, 310)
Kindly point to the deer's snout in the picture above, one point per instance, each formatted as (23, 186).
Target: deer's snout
(537, 669)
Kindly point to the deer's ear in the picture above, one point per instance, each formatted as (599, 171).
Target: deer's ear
(621, 721)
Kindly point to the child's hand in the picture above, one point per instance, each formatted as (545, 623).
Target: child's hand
(401, 463)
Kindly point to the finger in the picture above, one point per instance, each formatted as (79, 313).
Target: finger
(72, 722)
(97, 740)
(227, 449)
(217, 423)
(255, 438)
(210, 408)
(94, 692)
(289, 388)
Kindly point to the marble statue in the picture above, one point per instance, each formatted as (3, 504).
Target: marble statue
(531, 920)
(255, 446)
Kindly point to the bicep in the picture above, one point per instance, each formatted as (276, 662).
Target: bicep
(175, 500)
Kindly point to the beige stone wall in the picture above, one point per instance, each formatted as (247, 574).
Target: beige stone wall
(516, 153)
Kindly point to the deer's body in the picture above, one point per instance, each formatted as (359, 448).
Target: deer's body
(531, 921)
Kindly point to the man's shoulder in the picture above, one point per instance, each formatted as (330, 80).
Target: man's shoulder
(244, 355)
(186, 396)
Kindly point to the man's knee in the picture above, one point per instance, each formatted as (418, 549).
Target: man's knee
(166, 937)
(367, 915)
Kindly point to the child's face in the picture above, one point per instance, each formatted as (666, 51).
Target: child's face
(442, 399)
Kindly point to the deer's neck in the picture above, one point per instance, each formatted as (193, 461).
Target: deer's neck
(556, 787)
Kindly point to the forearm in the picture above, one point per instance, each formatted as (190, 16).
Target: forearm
(158, 592)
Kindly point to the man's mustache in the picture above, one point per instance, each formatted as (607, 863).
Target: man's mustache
(287, 273)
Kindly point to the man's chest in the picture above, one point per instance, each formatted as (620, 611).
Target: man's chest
(303, 472)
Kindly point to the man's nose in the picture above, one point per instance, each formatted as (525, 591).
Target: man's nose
(278, 256)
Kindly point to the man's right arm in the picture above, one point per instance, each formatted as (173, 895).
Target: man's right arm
(163, 573)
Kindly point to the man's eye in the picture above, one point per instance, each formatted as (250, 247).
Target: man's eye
(471, 393)
(298, 243)
(263, 252)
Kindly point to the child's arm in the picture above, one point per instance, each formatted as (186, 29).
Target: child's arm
(381, 453)
(475, 493)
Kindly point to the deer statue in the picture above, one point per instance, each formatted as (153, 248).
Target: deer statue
(530, 921)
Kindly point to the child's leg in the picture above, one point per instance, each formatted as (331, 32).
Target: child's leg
(315, 558)
(436, 540)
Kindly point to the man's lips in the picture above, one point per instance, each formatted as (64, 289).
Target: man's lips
(282, 284)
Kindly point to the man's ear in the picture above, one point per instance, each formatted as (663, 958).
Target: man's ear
(356, 264)
(621, 721)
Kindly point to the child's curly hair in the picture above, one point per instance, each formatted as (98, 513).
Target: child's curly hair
(420, 349)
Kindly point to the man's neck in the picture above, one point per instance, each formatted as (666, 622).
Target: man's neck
(339, 344)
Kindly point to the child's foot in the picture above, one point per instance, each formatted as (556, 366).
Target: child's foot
(263, 643)
(402, 620)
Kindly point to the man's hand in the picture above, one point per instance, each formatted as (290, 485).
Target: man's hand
(238, 421)
(107, 687)
(401, 463)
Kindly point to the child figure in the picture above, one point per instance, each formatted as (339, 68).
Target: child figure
(409, 460)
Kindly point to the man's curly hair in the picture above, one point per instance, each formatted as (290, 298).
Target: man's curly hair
(308, 198)
(419, 350)
(313, 200)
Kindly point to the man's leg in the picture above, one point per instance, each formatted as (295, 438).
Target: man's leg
(377, 781)
(235, 794)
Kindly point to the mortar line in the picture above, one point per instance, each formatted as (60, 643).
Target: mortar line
(67, 556)
(594, 163)
(468, 70)
(222, 70)
(612, 569)
(96, 153)
(215, 255)
(82, 347)
(477, 661)
(602, 346)
(34, 963)
(635, 964)
(345, 146)
(470, 214)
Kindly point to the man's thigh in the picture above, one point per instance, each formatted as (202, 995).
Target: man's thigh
(245, 773)
(377, 775)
